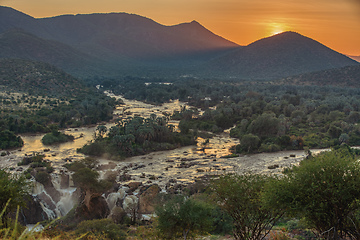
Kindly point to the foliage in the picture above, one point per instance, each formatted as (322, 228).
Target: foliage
(274, 113)
(9, 140)
(136, 136)
(325, 190)
(240, 197)
(56, 137)
(183, 216)
(13, 191)
(101, 229)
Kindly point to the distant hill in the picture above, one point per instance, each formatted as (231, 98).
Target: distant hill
(356, 58)
(21, 45)
(281, 55)
(38, 78)
(341, 77)
(117, 34)
(121, 44)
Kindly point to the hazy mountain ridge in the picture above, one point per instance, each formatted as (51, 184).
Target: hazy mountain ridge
(285, 54)
(120, 44)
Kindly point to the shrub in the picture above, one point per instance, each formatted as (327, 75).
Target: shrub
(323, 189)
(101, 227)
(240, 197)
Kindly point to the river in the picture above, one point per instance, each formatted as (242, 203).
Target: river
(184, 164)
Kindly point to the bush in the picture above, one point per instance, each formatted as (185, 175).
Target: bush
(240, 197)
(57, 137)
(323, 189)
(101, 228)
(182, 216)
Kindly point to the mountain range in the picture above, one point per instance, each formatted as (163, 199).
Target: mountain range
(120, 44)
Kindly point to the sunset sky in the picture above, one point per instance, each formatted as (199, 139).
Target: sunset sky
(335, 23)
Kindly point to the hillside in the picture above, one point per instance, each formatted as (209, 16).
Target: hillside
(285, 54)
(21, 45)
(117, 34)
(121, 44)
(356, 58)
(341, 77)
(38, 78)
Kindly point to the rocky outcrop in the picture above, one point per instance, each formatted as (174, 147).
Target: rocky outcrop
(95, 208)
(32, 213)
(147, 195)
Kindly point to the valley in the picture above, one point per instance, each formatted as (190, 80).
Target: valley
(172, 131)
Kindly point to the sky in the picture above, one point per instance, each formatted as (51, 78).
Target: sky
(334, 23)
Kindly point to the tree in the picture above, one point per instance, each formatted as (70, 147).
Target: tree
(249, 143)
(324, 189)
(184, 216)
(240, 197)
(13, 189)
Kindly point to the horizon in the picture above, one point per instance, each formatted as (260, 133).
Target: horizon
(336, 25)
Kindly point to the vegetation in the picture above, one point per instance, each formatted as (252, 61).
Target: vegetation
(325, 191)
(183, 217)
(35, 96)
(240, 197)
(9, 140)
(136, 136)
(13, 191)
(56, 137)
(101, 228)
(280, 116)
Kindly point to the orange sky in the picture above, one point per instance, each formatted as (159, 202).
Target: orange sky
(335, 23)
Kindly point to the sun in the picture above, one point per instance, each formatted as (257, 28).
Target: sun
(276, 27)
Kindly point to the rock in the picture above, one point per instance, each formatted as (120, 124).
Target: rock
(130, 202)
(95, 208)
(146, 199)
(108, 166)
(292, 155)
(64, 181)
(118, 215)
(273, 166)
(124, 177)
(134, 185)
(45, 198)
(113, 200)
(32, 213)
(153, 177)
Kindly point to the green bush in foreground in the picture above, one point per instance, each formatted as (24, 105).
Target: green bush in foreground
(240, 197)
(101, 228)
(325, 190)
(182, 216)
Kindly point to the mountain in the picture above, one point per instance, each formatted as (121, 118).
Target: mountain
(21, 45)
(116, 34)
(356, 58)
(39, 78)
(281, 55)
(121, 44)
(348, 76)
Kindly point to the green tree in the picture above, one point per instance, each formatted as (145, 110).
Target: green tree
(324, 189)
(240, 197)
(13, 189)
(249, 143)
(184, 216)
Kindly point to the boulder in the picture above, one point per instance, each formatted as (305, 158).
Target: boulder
(146, 199)
(134, 185)
(95, 208)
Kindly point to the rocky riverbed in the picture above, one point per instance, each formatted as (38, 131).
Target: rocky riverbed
(140, 177)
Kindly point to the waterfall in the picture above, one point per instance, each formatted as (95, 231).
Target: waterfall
(66, 202)
(50, 214)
